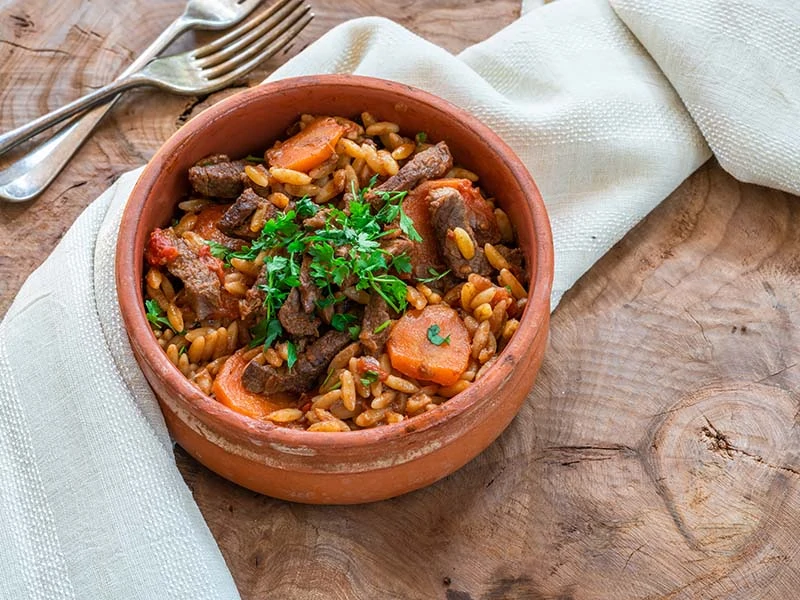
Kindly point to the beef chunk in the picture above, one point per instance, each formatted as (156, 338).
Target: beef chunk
(236, 220)
(376, 314)
(303, 377)
(318, 220)
(515, 258)
(449, 210)
(419, 254)
(428, 164)
(217, 177)
(309, 292)
(252, 305)
(199, 272)
(295, 320)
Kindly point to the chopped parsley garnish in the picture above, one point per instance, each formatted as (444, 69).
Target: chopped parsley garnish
(291, 354)
(265, 332)
(369, 377)
(254, 159)
(346, 251)
(382, 326)
(218, 250)
(435, 276)
(156, 316)
(340, 321)
(435, 338)
(421, 137)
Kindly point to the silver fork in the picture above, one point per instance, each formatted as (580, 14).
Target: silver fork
(201, 71)
(30, 175)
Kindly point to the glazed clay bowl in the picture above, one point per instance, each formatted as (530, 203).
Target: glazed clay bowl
(357, 466)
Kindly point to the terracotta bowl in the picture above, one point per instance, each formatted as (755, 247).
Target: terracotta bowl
(359, 466)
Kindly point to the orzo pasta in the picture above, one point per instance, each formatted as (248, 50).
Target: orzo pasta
(349, 277)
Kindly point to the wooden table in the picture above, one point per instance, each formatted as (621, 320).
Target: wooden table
(658, 454)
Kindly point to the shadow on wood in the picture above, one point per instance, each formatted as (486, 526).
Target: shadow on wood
(657, 456)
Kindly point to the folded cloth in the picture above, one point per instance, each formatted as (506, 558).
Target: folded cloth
(91, 504)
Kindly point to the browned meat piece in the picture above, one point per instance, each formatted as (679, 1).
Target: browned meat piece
(217, 177)
(252, 305)
(449, 210)
(428, 164)
(264, 379)
(318, 220)
(309, 292)
(516, 258)
(418, 254)
(375, 315)
(236, 220)
(295, 320)
(199, 272)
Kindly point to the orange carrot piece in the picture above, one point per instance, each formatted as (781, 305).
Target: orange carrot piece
(228, 390)
(206, 224)
(414, 354)
(309, 148)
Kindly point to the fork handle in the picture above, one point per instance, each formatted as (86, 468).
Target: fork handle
(20, 134)
(30, 175)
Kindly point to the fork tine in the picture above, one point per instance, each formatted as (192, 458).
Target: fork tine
(245, 40)
(292, 26)
(267, 52)
(240, 30)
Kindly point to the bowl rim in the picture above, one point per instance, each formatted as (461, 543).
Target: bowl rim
(207, 409)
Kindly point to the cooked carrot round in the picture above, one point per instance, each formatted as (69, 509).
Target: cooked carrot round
(229, 390)
(309, 148)
(430, 344)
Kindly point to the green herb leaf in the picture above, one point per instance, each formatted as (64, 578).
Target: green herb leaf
(382, 326)
(156, 316)
(407, 226)
(218, 250)
(306, 207)
(340, 321)
(354, 331)
(291, 352)
(255, 159)
(402, 263)
(421, 137)
(435, 338)
(435, 275)
(265, 332)
(369, 377)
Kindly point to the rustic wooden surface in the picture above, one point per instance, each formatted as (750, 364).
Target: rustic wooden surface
(657, 456)
(51, 52)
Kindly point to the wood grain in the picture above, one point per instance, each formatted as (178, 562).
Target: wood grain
(656, 458)
(51, 52)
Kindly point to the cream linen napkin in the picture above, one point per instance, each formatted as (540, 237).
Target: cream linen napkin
(91, 504)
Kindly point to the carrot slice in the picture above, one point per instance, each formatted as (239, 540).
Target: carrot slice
(412, 352)
(228, 390)
(206, 224)
(309, 148)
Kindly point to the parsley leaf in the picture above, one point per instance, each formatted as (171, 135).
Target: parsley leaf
(369, 377)
(156, 316)
(435, 338)
(265, 332)
(254, 159)
(306, 207)
(291, 352)
(407, 226)
(340, 321)
(218, 250)
(382, 326)
(421, 137)
(435, 275)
